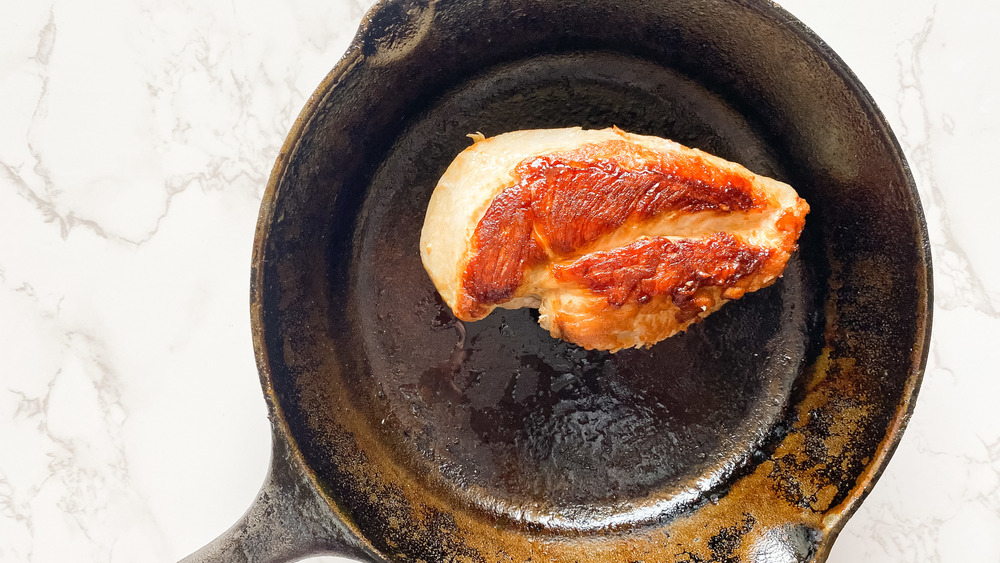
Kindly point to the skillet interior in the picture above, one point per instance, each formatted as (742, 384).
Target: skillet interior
(532, 429)
(747, 437)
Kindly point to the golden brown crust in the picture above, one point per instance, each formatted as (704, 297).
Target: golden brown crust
(622, 241)
(560, 202)
(682, 270)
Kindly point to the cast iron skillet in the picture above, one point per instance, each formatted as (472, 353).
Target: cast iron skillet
(401, 434)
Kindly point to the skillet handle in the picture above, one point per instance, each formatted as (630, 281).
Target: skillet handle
(287, 521)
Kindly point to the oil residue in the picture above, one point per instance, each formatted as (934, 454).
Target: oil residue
(501, 408)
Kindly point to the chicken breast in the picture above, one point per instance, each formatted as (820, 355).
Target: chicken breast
(619, 240)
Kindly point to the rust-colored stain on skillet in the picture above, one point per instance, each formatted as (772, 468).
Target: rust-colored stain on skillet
(795, 492)
(798, 490)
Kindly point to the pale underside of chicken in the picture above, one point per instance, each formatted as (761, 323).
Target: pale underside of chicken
(619, 240)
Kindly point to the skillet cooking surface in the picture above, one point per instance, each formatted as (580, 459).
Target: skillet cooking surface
(534, 428)
(753, 435)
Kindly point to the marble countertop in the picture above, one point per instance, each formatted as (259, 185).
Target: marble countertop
(136, 139)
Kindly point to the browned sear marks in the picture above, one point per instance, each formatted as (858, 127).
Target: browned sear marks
(680, 269)
(562, 202)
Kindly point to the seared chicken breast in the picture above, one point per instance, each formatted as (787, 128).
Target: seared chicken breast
(619, 240)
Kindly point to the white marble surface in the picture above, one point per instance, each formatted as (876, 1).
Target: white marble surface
(135, 141)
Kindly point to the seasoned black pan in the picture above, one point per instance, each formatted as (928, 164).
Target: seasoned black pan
(402, 434)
